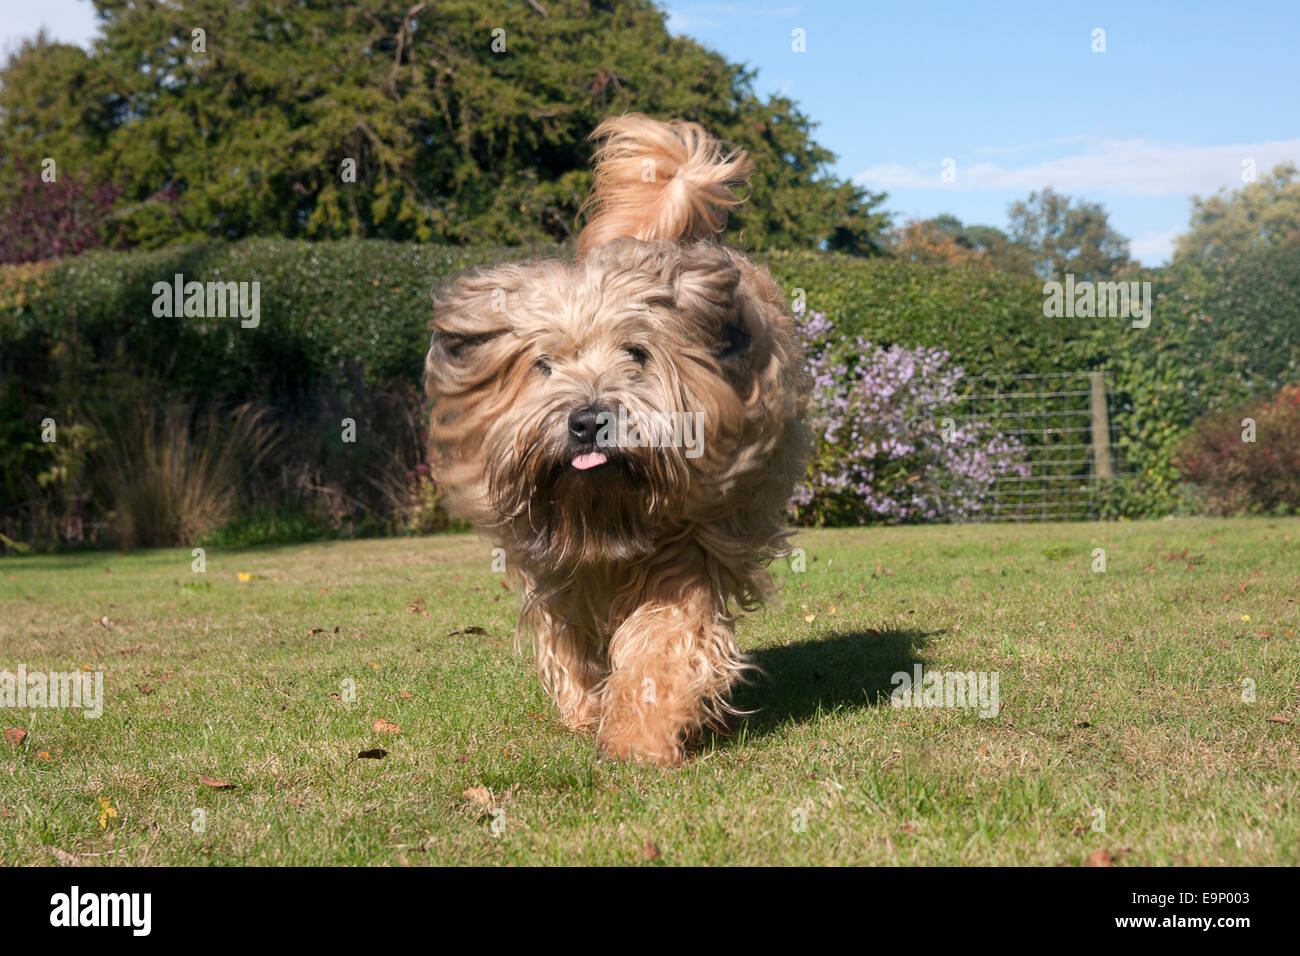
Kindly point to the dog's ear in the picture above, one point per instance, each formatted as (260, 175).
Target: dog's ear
(704, 286)
(707, 289)
(472, 318)
(704, 280)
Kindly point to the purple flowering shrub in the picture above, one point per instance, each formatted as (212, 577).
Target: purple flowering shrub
(881, 451)
(48, 220)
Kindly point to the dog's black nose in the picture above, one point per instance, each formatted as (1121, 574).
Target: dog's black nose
(583, 424)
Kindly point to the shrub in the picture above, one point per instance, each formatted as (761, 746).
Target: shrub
(1219, 336)
(262, 526)
(172, 479)
(343, 334)
(418, 504)
(990, 322)
(881, 453)
(344, 329)
(46, 220)
(1242, 469)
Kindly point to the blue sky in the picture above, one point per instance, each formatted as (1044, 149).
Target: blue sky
(1014, 94)
(1011, 92)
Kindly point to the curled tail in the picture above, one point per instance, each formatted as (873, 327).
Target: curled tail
(660, 181)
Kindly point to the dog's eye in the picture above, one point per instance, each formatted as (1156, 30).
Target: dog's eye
(637, 354)
(735, 340)
(542, 366)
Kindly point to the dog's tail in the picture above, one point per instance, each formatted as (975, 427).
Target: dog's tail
(660, 181)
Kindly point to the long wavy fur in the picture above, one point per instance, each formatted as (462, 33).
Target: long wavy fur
(660, 181)
(632, 570)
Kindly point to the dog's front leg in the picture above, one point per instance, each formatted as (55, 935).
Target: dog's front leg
(672, 663)
(570, 664)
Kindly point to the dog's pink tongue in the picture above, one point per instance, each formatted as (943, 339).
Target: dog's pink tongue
(590, 460)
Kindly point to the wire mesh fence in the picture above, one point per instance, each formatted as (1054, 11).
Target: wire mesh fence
(1061, 423)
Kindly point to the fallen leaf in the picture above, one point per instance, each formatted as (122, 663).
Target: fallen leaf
(215, 783)
(145, 689)
(405, 694)
(1099, 858)
(14, 736)
(316, 630)
(1279, 719)
(479, 795)
(649, 850)
(385, 727)
(106, 812)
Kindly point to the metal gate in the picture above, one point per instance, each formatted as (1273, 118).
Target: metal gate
(1061, 421)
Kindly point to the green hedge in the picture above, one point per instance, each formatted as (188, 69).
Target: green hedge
(1218, 337)
(349, 318)
(325, 308)
(331, 307)
(992, 322)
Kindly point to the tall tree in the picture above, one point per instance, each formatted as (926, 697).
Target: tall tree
(994, 244)
(455, 121)
(935, 241)
(1259, 215)
(1063, 236)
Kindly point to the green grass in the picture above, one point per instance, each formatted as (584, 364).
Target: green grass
(1121, 692)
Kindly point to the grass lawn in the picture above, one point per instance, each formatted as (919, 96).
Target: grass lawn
(1122, 724)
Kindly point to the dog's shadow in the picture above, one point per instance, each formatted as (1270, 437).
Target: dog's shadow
(843, 670)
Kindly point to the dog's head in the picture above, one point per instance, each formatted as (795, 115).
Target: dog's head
(588, 409)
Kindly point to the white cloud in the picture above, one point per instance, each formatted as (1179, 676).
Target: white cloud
(1155, 246)
(1132, 167)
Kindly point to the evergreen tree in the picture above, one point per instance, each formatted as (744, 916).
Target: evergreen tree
(460, 121)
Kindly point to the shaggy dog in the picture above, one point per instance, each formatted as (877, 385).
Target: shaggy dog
(629, 428)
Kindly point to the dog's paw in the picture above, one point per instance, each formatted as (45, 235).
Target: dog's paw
(582, 719)
(641, 749)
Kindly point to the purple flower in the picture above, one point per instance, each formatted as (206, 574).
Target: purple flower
(883, 451)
